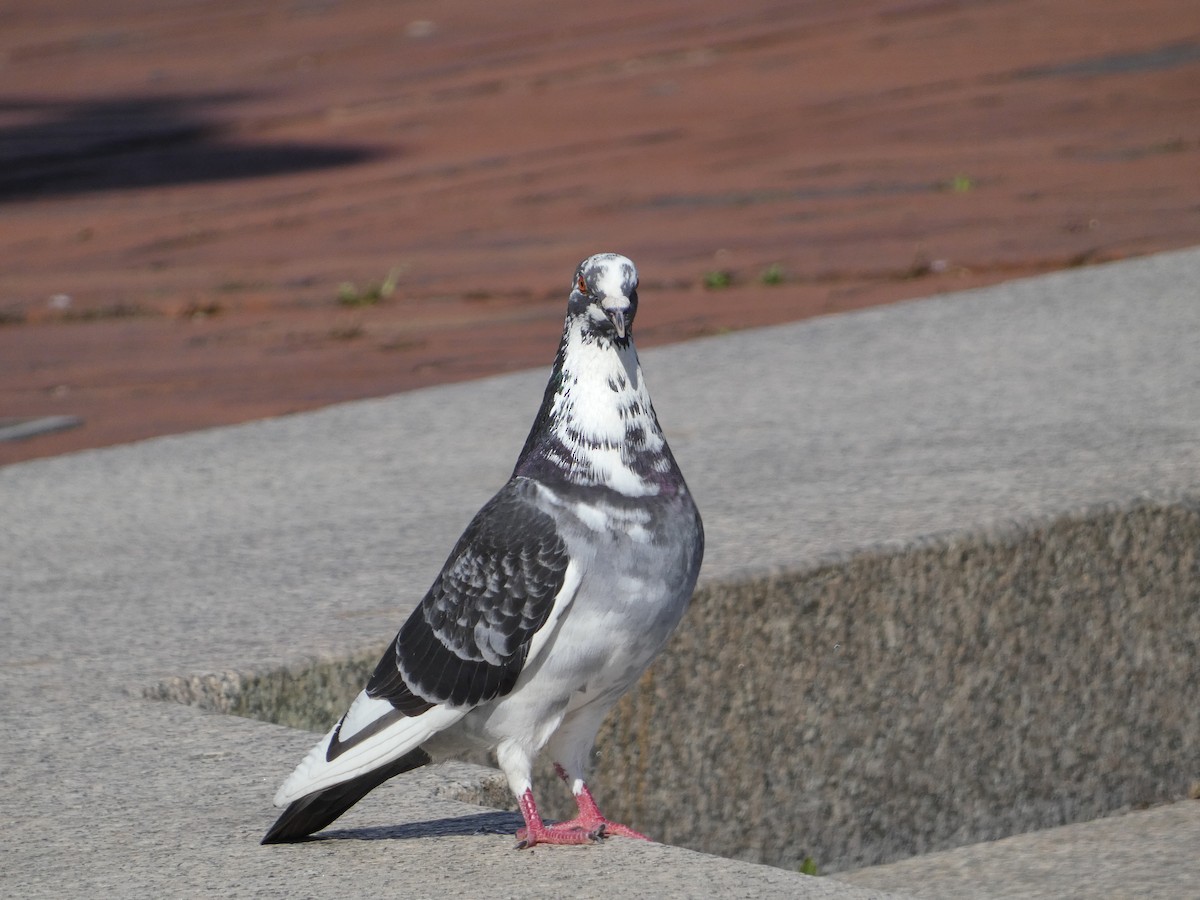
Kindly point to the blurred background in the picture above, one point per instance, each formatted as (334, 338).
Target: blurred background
(214, 212)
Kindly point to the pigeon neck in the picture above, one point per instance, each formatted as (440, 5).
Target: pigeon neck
(596, 426)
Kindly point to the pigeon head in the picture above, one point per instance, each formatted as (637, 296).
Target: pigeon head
(604, 296)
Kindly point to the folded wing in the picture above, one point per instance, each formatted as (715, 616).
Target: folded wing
(508, 578)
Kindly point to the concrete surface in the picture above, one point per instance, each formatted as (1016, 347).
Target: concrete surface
(900, 701)
(1151, 853)
(308, 537)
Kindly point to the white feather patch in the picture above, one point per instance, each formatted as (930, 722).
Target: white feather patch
(602, 398)
(562, 601)
(316, 773)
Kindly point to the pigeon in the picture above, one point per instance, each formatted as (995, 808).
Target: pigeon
(557, 597)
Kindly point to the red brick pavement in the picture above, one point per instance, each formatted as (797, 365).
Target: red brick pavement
(185, 190)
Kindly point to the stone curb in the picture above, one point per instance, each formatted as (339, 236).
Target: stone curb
(257, 546)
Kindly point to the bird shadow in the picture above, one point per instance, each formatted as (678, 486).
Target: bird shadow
(505, 823)
(64, 147)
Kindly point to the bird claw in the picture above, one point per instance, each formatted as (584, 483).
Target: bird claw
(587, 827)
(564, 833)
(614, 829)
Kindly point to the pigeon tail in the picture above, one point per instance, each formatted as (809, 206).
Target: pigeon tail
(314, 811)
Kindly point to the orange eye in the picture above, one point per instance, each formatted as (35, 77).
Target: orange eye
(581, 285)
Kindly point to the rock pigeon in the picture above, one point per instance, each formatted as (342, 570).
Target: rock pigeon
(556, 598)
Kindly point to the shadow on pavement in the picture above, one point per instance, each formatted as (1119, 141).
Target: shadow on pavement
(480, 823)
(50, 148)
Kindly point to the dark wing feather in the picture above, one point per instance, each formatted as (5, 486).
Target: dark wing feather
(466, 642)
(318, 809)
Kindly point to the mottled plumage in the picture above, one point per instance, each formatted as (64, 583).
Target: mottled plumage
(558, 595)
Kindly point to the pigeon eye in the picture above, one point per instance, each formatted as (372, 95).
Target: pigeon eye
(581, 285)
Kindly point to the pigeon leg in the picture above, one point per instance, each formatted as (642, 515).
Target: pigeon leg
(590, 820)
(537, 832)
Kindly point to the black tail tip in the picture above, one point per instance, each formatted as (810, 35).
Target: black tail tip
(315, 811)
(284, 831)
(309, 814)
(272, 838)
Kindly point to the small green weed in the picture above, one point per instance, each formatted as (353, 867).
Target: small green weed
(960, 184)
(350, 295)
(718, 280)
(772, 274)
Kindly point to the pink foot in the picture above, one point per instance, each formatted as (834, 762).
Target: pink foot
(590, 825)
(600, 827)
(537, 832)
(590, 819)
(553, 834)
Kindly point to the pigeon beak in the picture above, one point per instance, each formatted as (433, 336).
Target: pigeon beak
(616, 315)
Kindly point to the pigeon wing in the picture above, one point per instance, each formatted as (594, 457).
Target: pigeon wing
(466, 643)
(469, 638)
